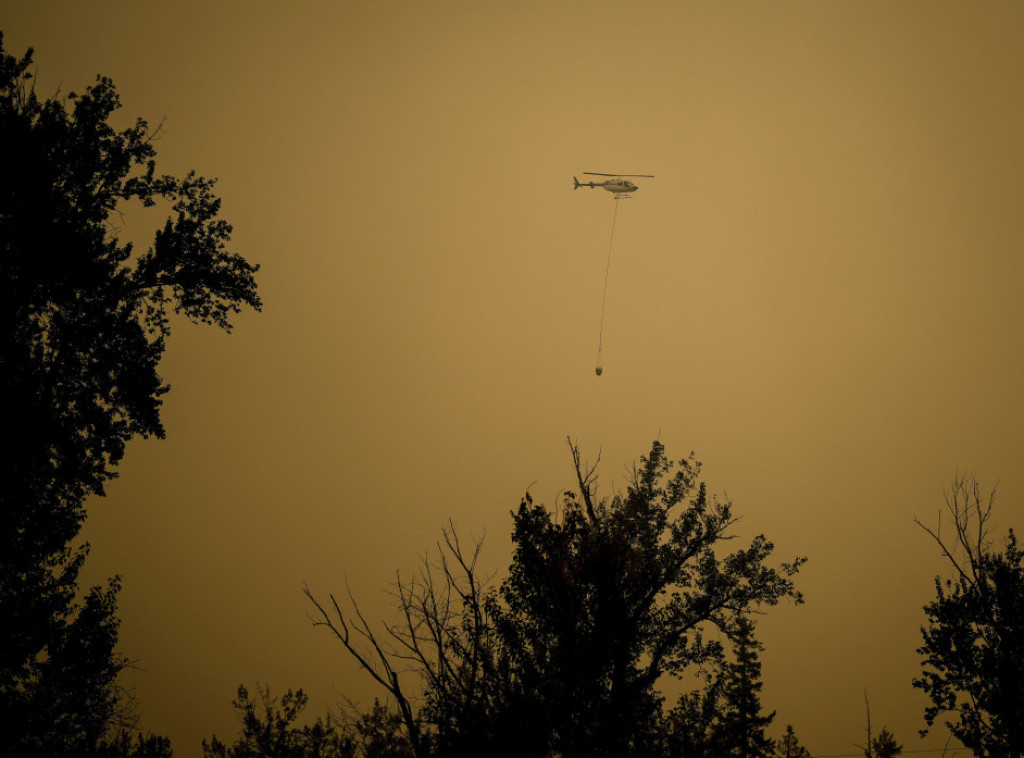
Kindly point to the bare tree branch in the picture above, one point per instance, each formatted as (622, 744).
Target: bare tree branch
(586, 476)
(970, 518)
(441, 634)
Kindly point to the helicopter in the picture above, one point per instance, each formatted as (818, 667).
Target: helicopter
(618, 184)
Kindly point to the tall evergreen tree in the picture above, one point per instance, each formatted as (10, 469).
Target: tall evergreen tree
(725, 718)
(789, 746)
(884, 746)
(742, 727)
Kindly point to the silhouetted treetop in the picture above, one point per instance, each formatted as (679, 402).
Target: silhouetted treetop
(84, 318)
(789, 746)
(608, 595)
(83, 324)
(269, 730)
(602, 599)
(973, 669)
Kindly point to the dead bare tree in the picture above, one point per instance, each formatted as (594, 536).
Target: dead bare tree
(969, 513)
(443, 639)
(586, 477)
(869, 747)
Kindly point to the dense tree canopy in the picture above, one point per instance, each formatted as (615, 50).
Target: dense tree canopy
(602, 602)
(84, 319)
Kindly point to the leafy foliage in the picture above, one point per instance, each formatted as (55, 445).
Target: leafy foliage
(603, 602)
(268, 730)
(83, 325)
(84, 320)
(378, 734)
(691, 728)
(973, 668)
(55, 704)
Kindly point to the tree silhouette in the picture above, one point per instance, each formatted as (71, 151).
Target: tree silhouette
(789, 746)
(142, 746)
(601, 603)
(378, 734)
(445, 639)
(691, 728)
(602, 599)
(882, 746)
(83, 325)
(885, 745)
(973, 667)
(269, 730)
(725, 718)
(742, 722)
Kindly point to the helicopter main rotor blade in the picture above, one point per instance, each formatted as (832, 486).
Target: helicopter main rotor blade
(640, 176)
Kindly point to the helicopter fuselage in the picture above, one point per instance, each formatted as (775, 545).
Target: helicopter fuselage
(617, 185)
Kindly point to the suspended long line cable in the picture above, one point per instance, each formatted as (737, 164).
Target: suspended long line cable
(604, 295)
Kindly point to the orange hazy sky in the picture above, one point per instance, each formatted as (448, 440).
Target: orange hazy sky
(820, 294)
